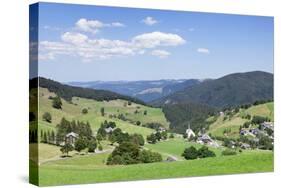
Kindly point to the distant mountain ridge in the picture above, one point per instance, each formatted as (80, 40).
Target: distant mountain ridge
(146, 91)
(230, 90)
(67, 91)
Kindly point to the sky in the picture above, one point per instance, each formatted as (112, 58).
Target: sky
(89, 43)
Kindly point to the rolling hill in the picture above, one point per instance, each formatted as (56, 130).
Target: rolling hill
(73, 111)
(234, 121)
(231, 90)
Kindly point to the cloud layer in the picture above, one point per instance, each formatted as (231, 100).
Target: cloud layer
(80, 45)
(94, 26)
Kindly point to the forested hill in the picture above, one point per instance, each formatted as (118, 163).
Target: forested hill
(231, 90)
(67, 92)
(182, 115)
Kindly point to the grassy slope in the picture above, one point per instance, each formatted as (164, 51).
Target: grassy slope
(217, 128)
(175, 147)
(91, 169)
(73, 111)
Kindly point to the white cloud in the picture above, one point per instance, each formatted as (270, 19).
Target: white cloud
(94, 26)
(155, 39)
(149, 21)
(203, 50)
(160, 53)
(75, 38)
(117, 24)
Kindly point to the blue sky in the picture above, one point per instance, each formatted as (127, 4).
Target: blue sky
(87, 43)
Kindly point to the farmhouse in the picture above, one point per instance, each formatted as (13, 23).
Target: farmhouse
(255, 131)
(71, 138)
(161, 129)
(206, 139)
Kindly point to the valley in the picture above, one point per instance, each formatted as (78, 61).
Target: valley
(167, 131)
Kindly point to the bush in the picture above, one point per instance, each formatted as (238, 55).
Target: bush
(47, 117)
(138, 123)
(228, 152)
(100, 148)
(247, 124)
(190, 153)
(57, 102)
(126, 153)
(151, 139)
(204, 152)
(92, 145)
(84, 111)
(147, 156)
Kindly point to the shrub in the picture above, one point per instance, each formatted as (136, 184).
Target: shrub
(138, 123)
(190, 153)
(84, 111)
(47, 117)
(204, 152)
(57, 102)
(151, 139)
(92, 145)
(147, 156)
(100, 148)
(228, 152)
(126, 153)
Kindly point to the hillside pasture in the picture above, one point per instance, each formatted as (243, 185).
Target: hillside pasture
(91, 169)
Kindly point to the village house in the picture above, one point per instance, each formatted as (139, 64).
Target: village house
(266, 125)
(206, 139)
(109, 130)
(254, 131)
(161, 129)
(71, 138)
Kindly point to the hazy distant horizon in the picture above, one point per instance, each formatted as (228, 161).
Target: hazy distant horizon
(176, 79)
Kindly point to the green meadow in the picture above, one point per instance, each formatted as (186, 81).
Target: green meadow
(84, 167)
(91, 169)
